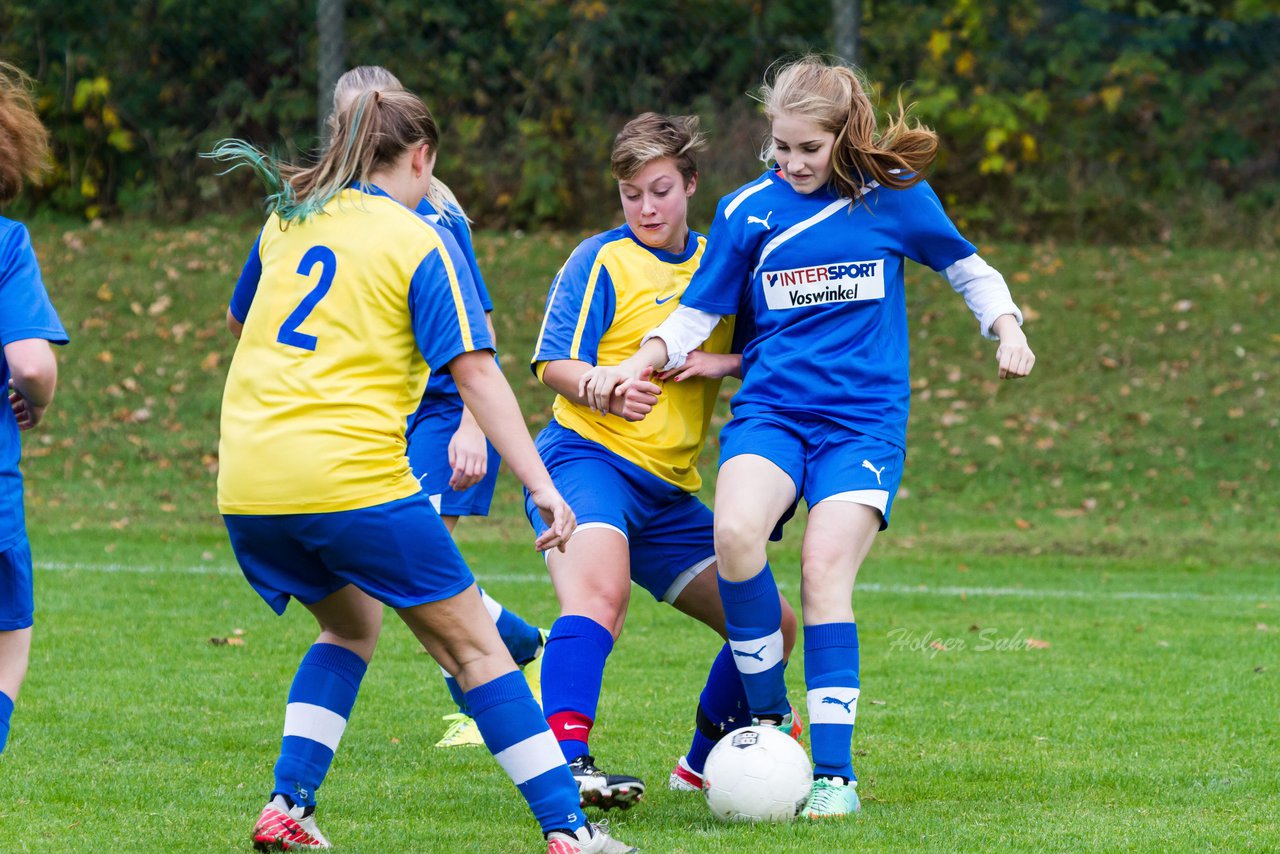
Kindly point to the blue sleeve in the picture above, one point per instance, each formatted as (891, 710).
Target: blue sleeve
(718, 283)
(457, 225)
(929, 237)
(448, 319)
(580, 307)
(25, 309)
(247, 284)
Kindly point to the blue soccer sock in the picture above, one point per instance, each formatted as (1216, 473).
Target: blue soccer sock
(753, 621)
(572, 673)
(517, 735)
(831, 677)
(722, 708)
(6, 712)
(320, 701)
(522, 640)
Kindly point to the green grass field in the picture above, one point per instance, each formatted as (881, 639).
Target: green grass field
(1070, 636)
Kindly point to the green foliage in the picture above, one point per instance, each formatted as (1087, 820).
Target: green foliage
(1114, 119)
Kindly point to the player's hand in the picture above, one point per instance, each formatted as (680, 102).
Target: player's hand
(468, 456)
(558, 517)
(27, 414)
(598, 384)
(1014, 356)
(700, 363)
(634, 399)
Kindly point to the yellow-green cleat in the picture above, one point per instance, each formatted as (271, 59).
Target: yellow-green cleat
(462, 732)
(533, 669)
(832, 799)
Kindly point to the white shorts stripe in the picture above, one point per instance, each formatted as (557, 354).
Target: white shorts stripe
(757, 656)
(493, 606)
(832, 705)
(877, 498)
(316, 723)
(682, 580)
(526, 759)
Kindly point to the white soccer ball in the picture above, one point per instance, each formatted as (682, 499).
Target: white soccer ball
(757, 773)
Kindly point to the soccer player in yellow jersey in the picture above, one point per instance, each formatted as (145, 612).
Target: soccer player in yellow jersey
(357, 297)
(631, 480)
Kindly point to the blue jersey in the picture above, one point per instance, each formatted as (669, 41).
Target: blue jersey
(456, 224)
(25, 312)
(824, 283)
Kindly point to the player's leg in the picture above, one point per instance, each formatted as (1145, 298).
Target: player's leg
(593, 586)
(401, 554)
(15, 652)
(17, 612)
(278, 555)
(324, 690)
(851, 497)
(752, 495)
(722, 705)
(457, 634)
(430, 433)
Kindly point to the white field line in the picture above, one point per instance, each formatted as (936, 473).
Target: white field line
(866, 587)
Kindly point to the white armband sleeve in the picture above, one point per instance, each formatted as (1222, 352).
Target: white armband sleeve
(682, 331)
(984, 291)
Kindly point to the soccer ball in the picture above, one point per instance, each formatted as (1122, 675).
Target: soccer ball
(757, 773)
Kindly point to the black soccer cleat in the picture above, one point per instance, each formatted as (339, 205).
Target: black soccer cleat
(606, 791)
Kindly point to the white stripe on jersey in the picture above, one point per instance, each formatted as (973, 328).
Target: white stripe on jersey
(758, 655)
(745, 194)
(832, 705)
(805, 225)
(527, 759)
(306, 720)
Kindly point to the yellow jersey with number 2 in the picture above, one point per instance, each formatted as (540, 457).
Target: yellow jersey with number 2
(343, 316)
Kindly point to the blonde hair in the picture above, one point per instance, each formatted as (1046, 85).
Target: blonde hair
(835, 97)
(651, 136)
(372, 133)
(364, 78)
(24, 142)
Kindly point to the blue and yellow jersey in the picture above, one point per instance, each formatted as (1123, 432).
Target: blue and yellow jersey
(611, 291)
(454, 221)
(343, 315)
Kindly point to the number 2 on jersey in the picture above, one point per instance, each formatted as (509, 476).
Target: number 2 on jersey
(328, 262)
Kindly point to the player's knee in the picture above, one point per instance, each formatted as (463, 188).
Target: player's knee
(738, 539)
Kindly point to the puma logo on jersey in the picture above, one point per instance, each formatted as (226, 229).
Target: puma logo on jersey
(866, 464)
(837, 702)
(759, 221)
(756, 655)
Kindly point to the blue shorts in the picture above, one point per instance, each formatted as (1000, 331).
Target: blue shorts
(826, 461)
(669, 532)
(17, 601)
(400, 553)
(429, 432)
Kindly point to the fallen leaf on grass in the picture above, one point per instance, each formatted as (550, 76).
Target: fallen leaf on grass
(1036, 643)
(1022, 524)
(227, 641)
(877, 702)
(1262, 627)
